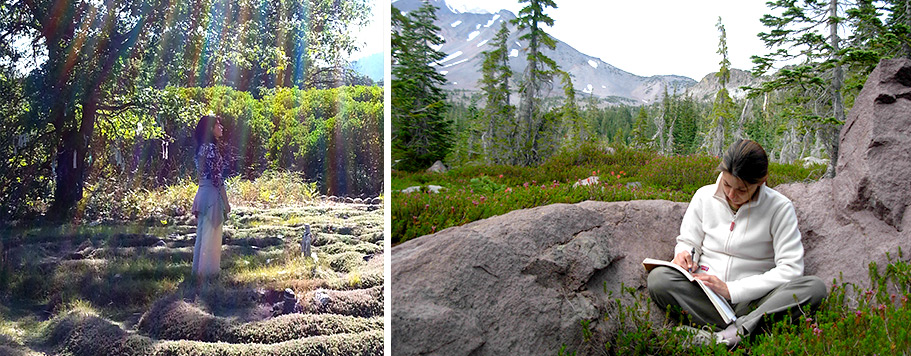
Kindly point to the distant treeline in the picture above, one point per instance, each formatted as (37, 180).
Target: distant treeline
(332, 136)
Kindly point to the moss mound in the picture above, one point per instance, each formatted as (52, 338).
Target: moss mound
(179, 320)
(359, 302)
(79, 333)
(364, 344)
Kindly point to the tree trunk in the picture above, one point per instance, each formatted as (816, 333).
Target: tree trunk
(71, 162)
(837, 83)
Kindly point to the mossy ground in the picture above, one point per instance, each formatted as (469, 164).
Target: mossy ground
(127, 289)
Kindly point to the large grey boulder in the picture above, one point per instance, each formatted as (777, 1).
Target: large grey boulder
(521, 283)
(860, 215)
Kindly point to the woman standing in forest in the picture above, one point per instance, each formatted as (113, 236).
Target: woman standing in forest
(211, 205)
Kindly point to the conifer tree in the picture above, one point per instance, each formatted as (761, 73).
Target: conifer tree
(808, 30)
(577, 129)
(639, 136)
(499, 141)
(421, 132)
(685, 125)
(538, 73)
(723, 106)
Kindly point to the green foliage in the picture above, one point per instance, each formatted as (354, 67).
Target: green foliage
(501, 128)
(332, 138)
(537, 127)
(851, 321)
(420, 132)
(478, 192)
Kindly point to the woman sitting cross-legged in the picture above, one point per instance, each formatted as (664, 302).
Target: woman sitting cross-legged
(749, 249)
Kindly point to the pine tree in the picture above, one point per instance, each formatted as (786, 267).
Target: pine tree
(421, 132)
(499, 139)
(577, 129)
(538, 72)
(639, 136)
(685, 125)
(723, 106)
(810, 28)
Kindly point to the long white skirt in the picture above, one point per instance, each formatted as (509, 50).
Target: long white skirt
(210, 211)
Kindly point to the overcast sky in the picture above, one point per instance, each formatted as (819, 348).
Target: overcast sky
(652, 37)
(372, 37)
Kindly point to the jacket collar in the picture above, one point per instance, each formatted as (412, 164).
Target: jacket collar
(757, 197)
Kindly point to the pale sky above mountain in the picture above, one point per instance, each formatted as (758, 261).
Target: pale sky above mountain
(652, 37)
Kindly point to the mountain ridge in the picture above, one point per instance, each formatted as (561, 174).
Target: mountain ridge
(467, 35)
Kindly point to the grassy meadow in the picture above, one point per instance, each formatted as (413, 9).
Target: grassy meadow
(119, 282)
(477, 192)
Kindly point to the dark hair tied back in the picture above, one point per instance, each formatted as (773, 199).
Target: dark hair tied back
(204, 130)
(746, 160)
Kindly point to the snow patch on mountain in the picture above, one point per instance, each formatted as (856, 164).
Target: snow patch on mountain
(454, 24)
(450, 57)
(514, 53)
(492, 20)
(456, 63)
(484, 42)
(593, 64)
(474, 34)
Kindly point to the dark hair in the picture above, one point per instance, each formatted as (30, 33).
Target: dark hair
(204, 130)
(745, 160)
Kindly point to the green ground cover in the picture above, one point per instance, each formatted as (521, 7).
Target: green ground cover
(478, 192)
(99, 286)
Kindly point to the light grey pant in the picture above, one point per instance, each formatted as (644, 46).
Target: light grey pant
(669, 287)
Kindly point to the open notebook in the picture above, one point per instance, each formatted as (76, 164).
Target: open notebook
(721, 305)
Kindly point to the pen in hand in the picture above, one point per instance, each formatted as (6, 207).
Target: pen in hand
(692, 260)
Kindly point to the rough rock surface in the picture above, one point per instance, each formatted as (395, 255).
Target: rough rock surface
(521, 283)
(860, 215)
(437, 167)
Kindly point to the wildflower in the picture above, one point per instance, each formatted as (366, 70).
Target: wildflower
(817, 331)
(858, 313)
(508, 189)
(525, 184)
(621, 172)
(500, 176)
(612, 173)
(433, 229)
(426, 206)
(809, 320)
(593, 173)
(475, 202)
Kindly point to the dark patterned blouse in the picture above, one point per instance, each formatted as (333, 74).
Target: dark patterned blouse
(210, 164)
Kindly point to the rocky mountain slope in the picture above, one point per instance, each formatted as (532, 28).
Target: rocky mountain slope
(467, 35)
(706, 89)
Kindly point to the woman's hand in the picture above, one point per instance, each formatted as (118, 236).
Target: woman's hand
(685, 260)
(714, 283)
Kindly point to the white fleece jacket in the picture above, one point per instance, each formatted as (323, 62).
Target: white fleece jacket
(754, 250)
